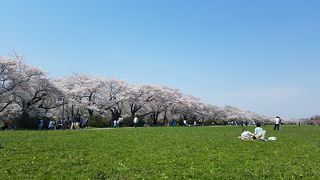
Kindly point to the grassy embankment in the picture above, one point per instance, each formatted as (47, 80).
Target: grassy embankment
(159, 153)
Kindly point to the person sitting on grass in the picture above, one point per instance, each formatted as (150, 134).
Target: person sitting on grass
(259, 133)
(246, 135)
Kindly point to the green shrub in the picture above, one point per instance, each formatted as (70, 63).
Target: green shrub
(128, 121)
(98, 121)
(25, 121)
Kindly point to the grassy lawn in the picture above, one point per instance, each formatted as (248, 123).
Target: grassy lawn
(160, 153)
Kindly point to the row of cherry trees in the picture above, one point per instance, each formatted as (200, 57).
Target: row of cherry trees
(28, 90)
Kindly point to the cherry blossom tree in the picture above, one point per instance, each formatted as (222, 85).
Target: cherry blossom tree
(236, 115)
(112, 97)
(138, 98)
(189, 107)
(39, 94)
(164, 99)
(13, 73)
(210, 114)
(80, 93)
(25, 87)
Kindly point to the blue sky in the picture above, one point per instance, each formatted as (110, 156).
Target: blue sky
(257, 55)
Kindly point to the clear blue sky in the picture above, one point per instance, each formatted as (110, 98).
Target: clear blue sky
(257, 55)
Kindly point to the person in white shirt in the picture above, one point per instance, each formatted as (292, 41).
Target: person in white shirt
(277, 123)
(185, 123)
(120, 121)
(115, 123)
(51, 125)
(135, 121)
(259, 133)
(246, 135)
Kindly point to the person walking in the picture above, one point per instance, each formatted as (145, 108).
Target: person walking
(51, 125)
(41, 124)
(185, 123)
(115, 123)
(277, 123)
(120, 121)
(135, 121)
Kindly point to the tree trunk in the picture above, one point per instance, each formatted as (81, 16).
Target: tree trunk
(90, 111)
(165, 119)
(155, 117)
(115, 114)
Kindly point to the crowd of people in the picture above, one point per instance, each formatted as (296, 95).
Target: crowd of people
(79, 122)
(118, 123)
(75, 123)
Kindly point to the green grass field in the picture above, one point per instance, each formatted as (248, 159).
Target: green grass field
(160, 153)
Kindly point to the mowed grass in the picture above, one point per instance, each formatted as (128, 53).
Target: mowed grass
(160, 153)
